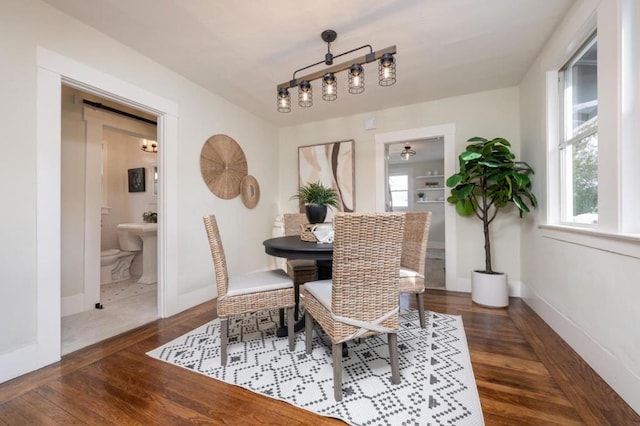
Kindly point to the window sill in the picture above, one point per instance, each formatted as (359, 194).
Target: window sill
(623, 244)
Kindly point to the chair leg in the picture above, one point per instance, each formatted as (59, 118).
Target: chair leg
(290, 329)
(308, 331)
(336, 351)
(420, 302)
(296, 295)
(281, 317)
(224, 335)
(393, 355)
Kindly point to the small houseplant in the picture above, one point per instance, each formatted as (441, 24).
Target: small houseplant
(489, 180)
(316, 197)
(420, 196)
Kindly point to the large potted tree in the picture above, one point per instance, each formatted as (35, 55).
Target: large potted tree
(489, 180)
(316, 197)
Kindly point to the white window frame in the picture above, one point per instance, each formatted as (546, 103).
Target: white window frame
(618, 228)
(409, 174)
(566, 140)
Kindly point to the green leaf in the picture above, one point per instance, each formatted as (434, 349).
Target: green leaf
(470, 156)
(464, 207)
(454, 180)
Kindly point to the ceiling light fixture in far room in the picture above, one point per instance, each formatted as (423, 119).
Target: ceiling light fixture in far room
(407, 152)
(149, 146)
(386, 74)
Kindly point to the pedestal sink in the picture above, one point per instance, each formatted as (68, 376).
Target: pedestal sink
(148, 232)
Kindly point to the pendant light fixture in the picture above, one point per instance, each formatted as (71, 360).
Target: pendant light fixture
(149, 146)
(305, 95)
(407, 153)
(386, 74)
(356, 79)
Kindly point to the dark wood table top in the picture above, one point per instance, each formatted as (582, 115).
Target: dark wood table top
(292, 247)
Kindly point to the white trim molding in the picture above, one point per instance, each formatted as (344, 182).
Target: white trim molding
(52, 70)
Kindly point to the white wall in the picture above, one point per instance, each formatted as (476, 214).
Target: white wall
(581, 285)
(23, 27)
(122, 152)
(488, 114)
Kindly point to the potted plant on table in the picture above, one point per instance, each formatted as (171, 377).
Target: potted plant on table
(420, 196)
(316, 197)
(489, 180)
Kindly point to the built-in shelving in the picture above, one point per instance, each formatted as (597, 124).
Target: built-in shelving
(437, 185)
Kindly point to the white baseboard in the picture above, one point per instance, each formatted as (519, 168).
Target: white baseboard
(18, 362)
(196, 297)
(623, 381)
(72, 304)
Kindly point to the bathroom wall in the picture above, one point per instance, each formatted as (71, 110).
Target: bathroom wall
(122, 152)
(97, 146)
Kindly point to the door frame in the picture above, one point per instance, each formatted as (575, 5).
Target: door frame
(53, 70)
(448, 133)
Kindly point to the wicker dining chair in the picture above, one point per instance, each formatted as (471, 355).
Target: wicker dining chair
(414, 251)
(362, 298)
(300, 270)
(257, 291)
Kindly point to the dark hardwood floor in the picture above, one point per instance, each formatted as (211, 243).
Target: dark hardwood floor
(526, 375)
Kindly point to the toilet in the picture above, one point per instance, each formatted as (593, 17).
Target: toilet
(114, 263)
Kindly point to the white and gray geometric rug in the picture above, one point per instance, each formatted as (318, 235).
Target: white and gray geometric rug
(437, 385)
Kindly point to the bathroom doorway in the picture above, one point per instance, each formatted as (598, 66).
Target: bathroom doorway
(415, 182)
(101, 143)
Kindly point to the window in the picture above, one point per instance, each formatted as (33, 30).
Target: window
(399, 191)
(579, 136)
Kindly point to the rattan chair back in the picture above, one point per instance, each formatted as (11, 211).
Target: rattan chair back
(293, 223)
(217, 253)
(366, 260)
(414, 241)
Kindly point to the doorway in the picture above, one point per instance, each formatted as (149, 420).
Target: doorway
(426, 177)
(53, 71)
(416, 184)
(100, 141)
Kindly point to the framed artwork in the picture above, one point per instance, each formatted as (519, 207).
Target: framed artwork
(332, 164)
(136, 180)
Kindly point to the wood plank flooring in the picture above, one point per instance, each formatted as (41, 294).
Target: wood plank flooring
(526, 375)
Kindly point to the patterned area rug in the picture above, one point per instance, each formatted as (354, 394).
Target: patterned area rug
(437, 386)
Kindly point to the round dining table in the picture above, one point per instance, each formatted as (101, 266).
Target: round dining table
(292, 247)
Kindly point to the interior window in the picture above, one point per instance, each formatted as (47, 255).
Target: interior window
(399, 189)
(579, 137)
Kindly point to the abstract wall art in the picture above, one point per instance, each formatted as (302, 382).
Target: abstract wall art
(332, 164)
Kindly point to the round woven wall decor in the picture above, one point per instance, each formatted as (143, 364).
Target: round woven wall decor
(250, 191)
(223, 165)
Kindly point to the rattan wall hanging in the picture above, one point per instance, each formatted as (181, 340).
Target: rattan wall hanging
(223, 165)
(250, 191)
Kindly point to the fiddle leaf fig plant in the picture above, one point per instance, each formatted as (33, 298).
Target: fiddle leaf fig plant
(489, 180)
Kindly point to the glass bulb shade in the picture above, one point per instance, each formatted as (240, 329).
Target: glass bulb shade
(305, 94)
(284, 101)
(329, 87)
(356, 79)
(387, 70)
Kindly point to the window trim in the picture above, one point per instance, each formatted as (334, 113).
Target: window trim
(564, 143)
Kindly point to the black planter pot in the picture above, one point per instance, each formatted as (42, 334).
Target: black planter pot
(315, 213)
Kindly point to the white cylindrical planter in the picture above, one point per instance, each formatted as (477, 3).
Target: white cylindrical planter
(489, 290)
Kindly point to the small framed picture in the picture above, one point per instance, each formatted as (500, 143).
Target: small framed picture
(136, 180)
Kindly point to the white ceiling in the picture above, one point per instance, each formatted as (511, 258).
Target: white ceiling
(242, 49)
